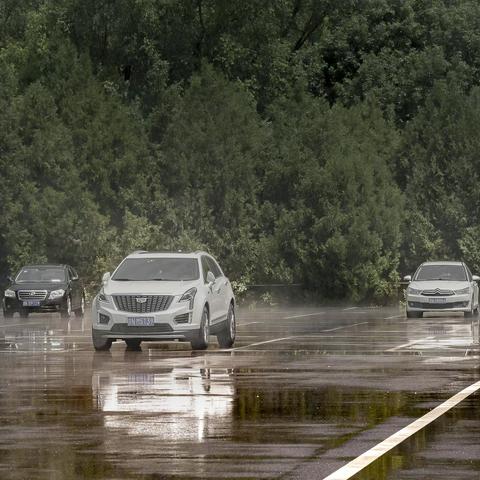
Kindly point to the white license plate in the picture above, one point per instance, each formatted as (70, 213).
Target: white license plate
(438, 300)
(31, 303)
(141, 321)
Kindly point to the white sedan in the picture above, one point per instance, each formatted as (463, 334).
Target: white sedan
(444, 287)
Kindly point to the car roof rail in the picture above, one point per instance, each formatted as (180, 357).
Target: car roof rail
(138, 251)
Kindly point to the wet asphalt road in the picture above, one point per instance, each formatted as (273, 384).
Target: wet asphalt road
(303, 392)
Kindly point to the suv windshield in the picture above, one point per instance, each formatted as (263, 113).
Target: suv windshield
(442, 272)
(148, 269)
(41, 275)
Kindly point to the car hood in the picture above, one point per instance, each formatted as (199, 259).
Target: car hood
(440, 284)
(147, 288)
(39, 286)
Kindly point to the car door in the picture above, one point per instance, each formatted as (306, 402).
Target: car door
(212, 298)
(220, 289)
(473, 284)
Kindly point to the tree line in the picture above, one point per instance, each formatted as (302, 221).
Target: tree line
(333, 144)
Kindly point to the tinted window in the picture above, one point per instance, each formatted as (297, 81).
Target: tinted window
(41, 274)
(441, 272)
(167, 269)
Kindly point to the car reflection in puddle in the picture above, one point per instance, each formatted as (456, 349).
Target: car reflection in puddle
(180, 404)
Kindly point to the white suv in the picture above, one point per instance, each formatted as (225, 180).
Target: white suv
(164, 296)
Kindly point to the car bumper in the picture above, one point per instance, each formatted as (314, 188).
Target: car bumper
(452, 303)
(175, 323)
(46, 306)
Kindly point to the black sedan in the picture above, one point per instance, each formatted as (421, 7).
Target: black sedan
(44, 288)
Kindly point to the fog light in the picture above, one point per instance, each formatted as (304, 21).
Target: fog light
(183, 318)
(103, 319)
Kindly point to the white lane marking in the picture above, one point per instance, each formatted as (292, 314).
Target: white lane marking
(262, 343)
(293, 336)
(394, 316)
(359, 463)
(249, 323)
(409, 344)
(349, 308)
(304, 315)
(345, 326)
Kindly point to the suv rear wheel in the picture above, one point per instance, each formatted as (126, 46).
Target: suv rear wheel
(201, 340)
(226, 337)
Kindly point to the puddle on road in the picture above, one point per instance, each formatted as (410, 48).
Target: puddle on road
(97, 416)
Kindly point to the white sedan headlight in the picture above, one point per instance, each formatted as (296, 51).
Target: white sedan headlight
(56, 294)
(414, 291)
(462, 291)
(9, 293)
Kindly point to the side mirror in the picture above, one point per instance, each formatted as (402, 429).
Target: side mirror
(106, 277)
(475, 278)
(10, 279)
(75, 278)
(407, 278)
(210, 277)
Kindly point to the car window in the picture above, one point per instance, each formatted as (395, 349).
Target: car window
(469, 274)
(441, 272)
(214, 268)
(158, 269)
(71, 275)
(41, 274)
(205, 268)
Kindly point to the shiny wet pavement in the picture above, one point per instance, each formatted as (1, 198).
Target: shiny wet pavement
(303, 392)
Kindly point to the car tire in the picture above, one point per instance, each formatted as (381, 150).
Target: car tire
(7, 314)
(23, 313)
(226, 338)
(414, 314)
(80, 311)
(200, 342)
(66, 308)
(101, 344)
(133, 343)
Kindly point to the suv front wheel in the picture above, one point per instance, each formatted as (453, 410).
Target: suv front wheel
(203, 335)
(100, 343)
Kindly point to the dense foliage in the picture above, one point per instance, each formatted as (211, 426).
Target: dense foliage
(333, 144)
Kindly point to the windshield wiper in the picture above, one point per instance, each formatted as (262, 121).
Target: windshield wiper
(123, 279)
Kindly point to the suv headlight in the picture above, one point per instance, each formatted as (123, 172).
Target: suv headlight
(189, 296)
(463, 291)
(10, 293)
(102, 298)
(413, 291)
(56, 294)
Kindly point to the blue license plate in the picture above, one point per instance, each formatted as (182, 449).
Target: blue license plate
(141, 321)
(31, 303)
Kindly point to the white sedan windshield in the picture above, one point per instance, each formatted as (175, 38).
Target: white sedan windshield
(442, 272)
